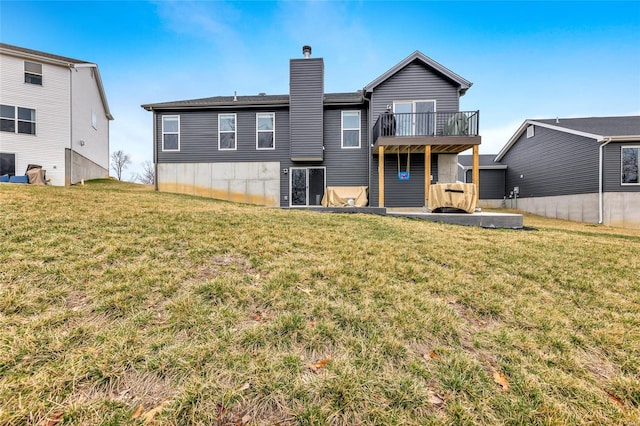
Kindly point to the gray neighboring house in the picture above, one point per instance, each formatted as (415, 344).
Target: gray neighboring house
(582, 169)
(492, 178)
(286, 150)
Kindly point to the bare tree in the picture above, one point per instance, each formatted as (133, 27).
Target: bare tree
(119, 162)
(148, 175)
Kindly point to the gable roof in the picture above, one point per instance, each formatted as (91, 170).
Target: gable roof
(38, 56)
(622, 128)
(418, 56)
(251, 101)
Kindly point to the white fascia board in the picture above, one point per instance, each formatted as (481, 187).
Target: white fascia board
(103, 95)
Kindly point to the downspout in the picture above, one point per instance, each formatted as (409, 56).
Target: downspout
(71, 124)
(155, 152)
(600, 179)
(369, 142)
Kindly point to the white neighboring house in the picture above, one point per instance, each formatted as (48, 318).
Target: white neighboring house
(54, 113)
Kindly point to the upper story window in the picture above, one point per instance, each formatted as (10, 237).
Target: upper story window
(17, 119)
(630, 165)
(226, 131)
(350, 129)
(265, 130)
(171, 133)
(32, 73)
(531, 131)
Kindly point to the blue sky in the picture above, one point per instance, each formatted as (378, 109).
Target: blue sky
(525, 59)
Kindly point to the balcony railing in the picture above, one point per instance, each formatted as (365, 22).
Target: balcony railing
(424, 124)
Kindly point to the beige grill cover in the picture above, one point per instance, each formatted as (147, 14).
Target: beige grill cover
(36, 176)
(457, 195)
(339, 196)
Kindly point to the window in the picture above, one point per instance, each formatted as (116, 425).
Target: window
(171, 133)
(630, 165)
(226, 131)
(351, 129)
(94, 120)
(530, 131)
(265, 130)
(17, 119)
(32, 73)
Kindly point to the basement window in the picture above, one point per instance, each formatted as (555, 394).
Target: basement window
(630, 165)
(33, 73)
(530, 131)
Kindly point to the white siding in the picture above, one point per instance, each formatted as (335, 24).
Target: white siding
(87, 100)
(51, 102)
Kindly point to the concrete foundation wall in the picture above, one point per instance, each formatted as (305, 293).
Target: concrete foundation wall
(447, 168)
(242, 182)
(492, 204)
(620, 209)
(82, 169)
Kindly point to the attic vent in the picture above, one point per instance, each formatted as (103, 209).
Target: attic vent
(530, 131)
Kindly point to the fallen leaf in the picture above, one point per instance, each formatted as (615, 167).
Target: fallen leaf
(220, 410)
(434, 355)
(615, 399)
(500, 379)
(435, 399)
(138, 412)
(319, 364)
(55, 419)
(150, 415)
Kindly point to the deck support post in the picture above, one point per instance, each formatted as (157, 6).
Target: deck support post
(476, 172)
(427, 174)
(381, 176)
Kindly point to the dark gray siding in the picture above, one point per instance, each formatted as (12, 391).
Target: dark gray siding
(306, 98)
(199, 137)
(491, 183)
(399, 193)
(415, 82)
(552, 163)
(343, 167)
(612, 171)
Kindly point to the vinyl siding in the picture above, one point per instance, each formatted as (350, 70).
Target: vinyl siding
(414, 82)
(491, 183)
(51, 102)
(552, 163)
(86, 98)
(199, 137)
(399, 193)
(612, 171)
(306, 99)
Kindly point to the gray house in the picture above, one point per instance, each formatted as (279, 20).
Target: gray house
(291, 150)
(583, 169)
(492, 178)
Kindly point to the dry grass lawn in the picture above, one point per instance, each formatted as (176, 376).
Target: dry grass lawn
(120, 305)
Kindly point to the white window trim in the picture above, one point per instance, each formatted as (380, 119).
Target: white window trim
(17, 120)
(359, 129)
(40, 74)
(622, 148)
(531, 131)
(235, 118)
(324, 168)
(258, 131)
(170, 133)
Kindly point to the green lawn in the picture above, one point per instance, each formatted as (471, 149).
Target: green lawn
(120, 305)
